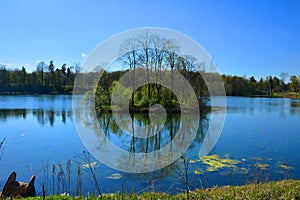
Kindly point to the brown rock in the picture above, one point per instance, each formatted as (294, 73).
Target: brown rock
(13, 188)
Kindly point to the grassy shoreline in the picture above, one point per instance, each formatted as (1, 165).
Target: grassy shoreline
(284, 189)
(291, 95)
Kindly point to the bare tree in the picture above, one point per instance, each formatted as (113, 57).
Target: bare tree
(159, 49)
(172, 55)
(283, 76)
(144, 56)
(190, 62)
(147, 50)
(128, 52)
(157, 54)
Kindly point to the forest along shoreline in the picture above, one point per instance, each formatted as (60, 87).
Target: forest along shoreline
(48, 79)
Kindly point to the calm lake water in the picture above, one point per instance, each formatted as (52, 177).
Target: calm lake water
(260, 141)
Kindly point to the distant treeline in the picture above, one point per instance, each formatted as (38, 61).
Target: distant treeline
(48, 79)
(271, 85)
(45, 79)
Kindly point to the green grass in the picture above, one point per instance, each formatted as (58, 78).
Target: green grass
(291, 95)
(286, 189)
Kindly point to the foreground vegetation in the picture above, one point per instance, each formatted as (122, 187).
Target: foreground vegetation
(285, 189)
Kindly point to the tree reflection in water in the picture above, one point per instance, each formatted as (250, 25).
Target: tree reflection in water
(43, 116)
(156, 141)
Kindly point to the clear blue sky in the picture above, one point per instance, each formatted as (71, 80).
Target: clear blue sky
(257, 38)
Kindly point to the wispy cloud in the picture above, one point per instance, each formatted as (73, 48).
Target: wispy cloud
(6, 64)
(83, 55)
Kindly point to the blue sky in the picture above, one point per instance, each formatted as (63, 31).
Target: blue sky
(257, 38)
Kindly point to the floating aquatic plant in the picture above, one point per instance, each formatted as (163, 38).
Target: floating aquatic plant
(215, 163)
(192, 161)
(244, 170)
(114, 176)
(198, 171)
(262, 166)
(89, 165)
(285, 166)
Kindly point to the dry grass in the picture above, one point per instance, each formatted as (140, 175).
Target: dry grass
(286, 189)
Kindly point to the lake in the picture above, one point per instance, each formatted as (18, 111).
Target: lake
(260, 141)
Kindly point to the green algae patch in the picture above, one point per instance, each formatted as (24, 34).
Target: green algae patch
(215, 162)
(198, 172)
(262, 166)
